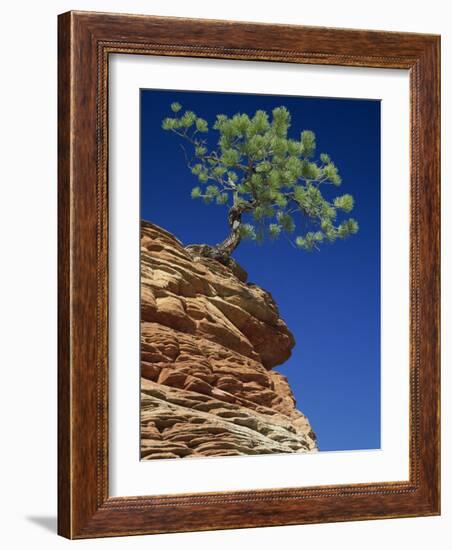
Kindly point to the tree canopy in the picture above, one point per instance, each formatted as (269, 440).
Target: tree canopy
(265, 176)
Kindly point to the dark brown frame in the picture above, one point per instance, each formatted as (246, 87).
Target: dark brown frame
(85, 41)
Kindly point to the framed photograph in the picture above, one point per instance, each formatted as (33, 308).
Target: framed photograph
(248, 275)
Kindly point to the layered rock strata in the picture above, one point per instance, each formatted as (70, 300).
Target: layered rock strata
(209, 342)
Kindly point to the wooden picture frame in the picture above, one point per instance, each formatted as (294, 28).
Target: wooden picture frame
(86, 40)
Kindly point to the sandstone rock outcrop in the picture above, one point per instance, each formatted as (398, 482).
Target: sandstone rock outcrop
(209, 341)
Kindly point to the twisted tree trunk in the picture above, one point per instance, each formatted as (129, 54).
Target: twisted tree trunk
(232, 241)
(222, 251)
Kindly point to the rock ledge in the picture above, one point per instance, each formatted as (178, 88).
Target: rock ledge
(209, 341)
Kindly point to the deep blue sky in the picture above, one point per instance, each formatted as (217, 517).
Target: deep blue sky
(329, 299)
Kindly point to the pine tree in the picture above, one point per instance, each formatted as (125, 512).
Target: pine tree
(261, 174)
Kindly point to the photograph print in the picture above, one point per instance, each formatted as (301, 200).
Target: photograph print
(260, 274)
